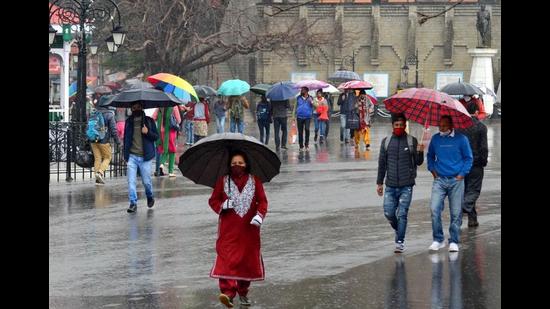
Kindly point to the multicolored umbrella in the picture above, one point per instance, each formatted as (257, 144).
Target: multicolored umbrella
(311, 84)
(174, 84)
(233, 87)
(426, 106)
(344, 76)
(355, 84)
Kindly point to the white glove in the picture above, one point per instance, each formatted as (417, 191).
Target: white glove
(257, 220)
(228, 204)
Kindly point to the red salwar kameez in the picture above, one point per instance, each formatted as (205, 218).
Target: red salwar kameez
(238, 259)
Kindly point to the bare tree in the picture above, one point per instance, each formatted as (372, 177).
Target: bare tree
(181, 36)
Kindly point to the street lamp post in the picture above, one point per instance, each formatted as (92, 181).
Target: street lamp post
(351, 59)
(87, 11)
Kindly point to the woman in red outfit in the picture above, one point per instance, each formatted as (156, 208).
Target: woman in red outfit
(240, 201)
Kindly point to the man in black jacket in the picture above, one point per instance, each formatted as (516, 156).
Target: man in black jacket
(477, 136)
(400, 154)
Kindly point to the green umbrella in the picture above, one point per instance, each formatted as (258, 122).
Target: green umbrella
(233, 87)
(260, 88)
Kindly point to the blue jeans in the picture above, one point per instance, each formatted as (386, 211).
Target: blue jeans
(316, 121)
(323, 128)
(264, 127)
(279, 123)
(236, 124)
(220, 124)
(396, 208)
(344, 133)
(454, 189)
(189, 131)
(135, 163)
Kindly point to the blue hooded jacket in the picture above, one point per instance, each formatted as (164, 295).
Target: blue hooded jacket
(304, 109)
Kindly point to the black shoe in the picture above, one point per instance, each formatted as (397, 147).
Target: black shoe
(472, 222)
(277, 149)
(315, 138)
(156, 174)
(284, 147)
(245, 301)
(132, 208)
(150, 202)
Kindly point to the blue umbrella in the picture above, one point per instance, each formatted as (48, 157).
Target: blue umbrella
(233, 87)
(282, 91)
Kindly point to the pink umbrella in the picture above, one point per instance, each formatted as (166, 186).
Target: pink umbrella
(355, 84)
(312, 84)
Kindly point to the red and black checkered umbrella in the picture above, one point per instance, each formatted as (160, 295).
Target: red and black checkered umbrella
(426, 106)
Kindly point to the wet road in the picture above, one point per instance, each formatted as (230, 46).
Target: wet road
(326, 243)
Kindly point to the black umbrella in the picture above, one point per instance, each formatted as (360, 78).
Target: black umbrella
(344, 76)
(460, 88)
(150, 98)
(204, 91)
(260, 88)
(208, 159)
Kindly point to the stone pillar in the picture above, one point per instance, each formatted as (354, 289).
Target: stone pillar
(338, 35)
(448, 38)
(411, 31)
(482, 72)
(302, 56)
(265, 56)
(375, 42)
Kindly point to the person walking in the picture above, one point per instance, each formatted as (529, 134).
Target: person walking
(304, 111)
(279, 112)
(140, 135)
(240, 201)
(263, 118)
(477, 136)
(449, 160)
(400, 154)
(168, 120)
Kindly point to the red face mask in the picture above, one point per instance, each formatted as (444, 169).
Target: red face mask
(237, 170)
(398, 131)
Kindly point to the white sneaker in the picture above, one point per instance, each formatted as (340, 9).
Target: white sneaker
(399, 247)
(172, 175)
(453, 247)
(436, 246)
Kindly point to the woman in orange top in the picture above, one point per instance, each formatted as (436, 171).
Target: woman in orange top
(322, 109)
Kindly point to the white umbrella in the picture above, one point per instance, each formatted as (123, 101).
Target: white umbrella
(330, 89)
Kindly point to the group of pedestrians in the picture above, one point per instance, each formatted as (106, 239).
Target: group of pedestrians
(455, 158)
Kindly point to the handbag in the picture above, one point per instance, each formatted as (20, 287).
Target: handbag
(174, 125)
(352, 121)
(85, 157)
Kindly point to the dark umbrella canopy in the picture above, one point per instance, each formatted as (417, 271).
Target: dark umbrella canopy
(282, 91)
(150, 98)
(260, 88)
(460, 88)
(344, 76)
(208, 159)
(204, 91)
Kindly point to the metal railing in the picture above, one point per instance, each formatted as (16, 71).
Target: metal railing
(66, 141)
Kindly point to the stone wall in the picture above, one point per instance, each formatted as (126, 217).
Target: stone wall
(442, 42)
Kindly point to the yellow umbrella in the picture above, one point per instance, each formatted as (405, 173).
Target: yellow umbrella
(173, 84)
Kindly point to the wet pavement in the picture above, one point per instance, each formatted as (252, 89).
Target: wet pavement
(325, 241)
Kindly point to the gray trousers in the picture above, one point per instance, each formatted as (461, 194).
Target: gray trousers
(472, 189)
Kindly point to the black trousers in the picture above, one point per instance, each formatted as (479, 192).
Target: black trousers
(280, 123)
(472, 189)
(303, 124)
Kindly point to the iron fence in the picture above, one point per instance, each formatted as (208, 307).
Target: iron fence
(67, 140)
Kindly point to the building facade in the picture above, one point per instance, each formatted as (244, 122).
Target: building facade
(377, 38)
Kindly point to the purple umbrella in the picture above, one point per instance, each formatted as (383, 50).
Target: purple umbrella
(312, 84)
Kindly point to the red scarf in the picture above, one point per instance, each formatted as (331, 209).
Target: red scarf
(240, 181)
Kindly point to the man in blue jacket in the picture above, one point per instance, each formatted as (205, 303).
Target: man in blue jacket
(304, 112)
(140, 134)
(449, 160)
